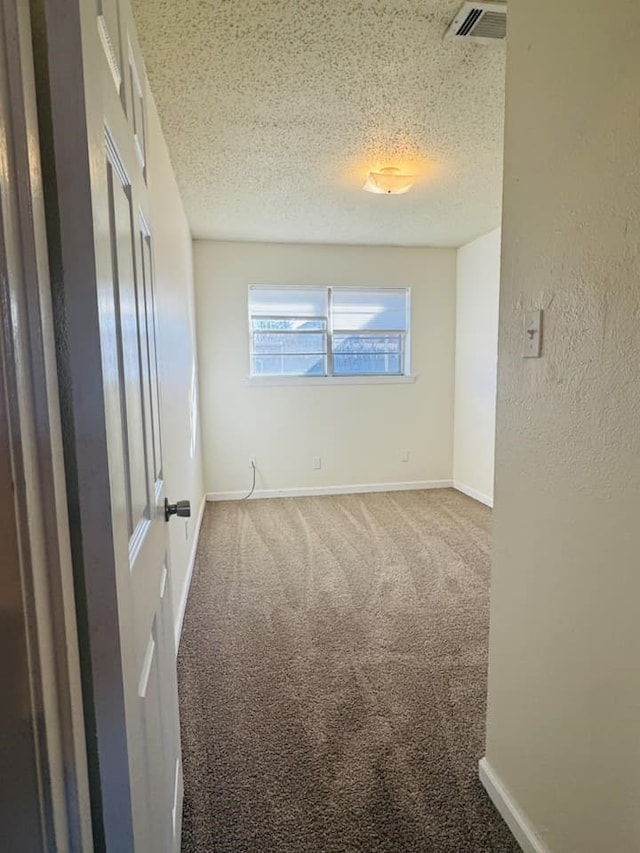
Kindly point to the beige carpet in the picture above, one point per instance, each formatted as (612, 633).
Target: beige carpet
(332, 677)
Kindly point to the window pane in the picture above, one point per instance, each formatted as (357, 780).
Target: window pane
(288, 301)
(289, 365)
(267, 343)
(369, 309)
(288, 324)
(367, 365)
(364, 344)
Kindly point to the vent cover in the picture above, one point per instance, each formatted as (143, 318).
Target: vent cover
(483, 23)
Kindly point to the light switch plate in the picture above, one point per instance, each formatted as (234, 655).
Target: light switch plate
(532, 334)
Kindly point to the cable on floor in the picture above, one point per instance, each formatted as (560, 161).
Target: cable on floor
(253, 487)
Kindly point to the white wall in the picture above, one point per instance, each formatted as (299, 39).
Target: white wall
(358, 430)
(563, 733)
(172, 252)
(477, 301)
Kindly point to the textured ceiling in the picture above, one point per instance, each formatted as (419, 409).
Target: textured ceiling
(275, 110)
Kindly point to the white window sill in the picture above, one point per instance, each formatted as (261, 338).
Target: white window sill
(275, 381)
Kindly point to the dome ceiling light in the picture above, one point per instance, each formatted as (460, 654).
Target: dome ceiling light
(389, 181)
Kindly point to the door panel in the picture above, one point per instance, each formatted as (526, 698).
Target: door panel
(128, 334)
(109, 33)
(137, 110)
(154, 401)
(153, 750)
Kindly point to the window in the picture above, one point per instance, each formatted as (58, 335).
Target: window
(329, 331)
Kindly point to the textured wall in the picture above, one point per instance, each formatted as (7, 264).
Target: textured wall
(172, 252)
(564, 683)
(476, 361)
(358, 430)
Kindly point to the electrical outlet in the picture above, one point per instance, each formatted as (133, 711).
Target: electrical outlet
(316, 462)
(404, 455)
(252, 462)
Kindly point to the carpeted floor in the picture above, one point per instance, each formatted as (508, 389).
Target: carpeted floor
(332, 677)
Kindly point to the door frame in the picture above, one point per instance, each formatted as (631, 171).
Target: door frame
(35, 436)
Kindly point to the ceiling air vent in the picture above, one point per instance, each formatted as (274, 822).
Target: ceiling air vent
(483, 23)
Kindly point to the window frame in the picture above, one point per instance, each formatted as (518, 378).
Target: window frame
(330, 376)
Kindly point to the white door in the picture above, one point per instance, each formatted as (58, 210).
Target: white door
(128, 321)
(113, 250)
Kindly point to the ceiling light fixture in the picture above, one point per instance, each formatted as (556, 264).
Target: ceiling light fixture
(389, 181)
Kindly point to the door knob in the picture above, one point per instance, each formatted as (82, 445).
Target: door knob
(181, 508)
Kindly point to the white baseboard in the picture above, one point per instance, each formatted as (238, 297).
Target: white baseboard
(520, 827)
(187, 580)
(473, 493)
(310, 491)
